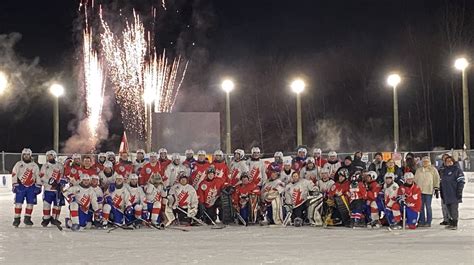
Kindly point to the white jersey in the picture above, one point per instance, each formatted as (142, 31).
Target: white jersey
(85, 197)
(154, 194)
(99, 194)
(105, 180)
(286, 176)
(332, 167)
(26, 174)
(236, 169)
(120, 197)
(390, 194)
(325, 186)
(310, 174)
(172, 172)
(51, 173)
(272, 187)
(136, 195)
(297, 193)
(257, 171)
(184, 196)
(138, 165)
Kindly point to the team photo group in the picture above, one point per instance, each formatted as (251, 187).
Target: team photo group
(160, 190)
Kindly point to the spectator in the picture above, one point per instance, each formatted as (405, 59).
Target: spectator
(348, 165)
(410, 165)
(391, 167)
(443, 205)
(452, 185)
(358, 163)
(378, 165)
(427, 178)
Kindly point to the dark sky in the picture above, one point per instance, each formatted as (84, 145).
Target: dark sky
(231, 36)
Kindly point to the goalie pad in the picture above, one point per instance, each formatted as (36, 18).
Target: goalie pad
(227, 208)
(253, 203)
(314, 209)
(343, 209)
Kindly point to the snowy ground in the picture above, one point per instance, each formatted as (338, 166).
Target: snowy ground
(238, 245)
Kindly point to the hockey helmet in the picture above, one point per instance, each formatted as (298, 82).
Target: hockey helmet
(356, 176)
(108, 164)
(201, 153)
(133, 176)
(310, 160)
(240, 152)
(162, 150)
(102, 155)
(52, 153)
(343, 172)
(244, 174)
(141, 151)
(181, 175)
(303, 150)
(189, 152)
(95, 177)
(218, 153)
(332, 154)
(278, 154)
(211, 170)
(389, 175)
(287, 162)
(317, 151)
(26, 151)
(110, 154)
(175, 156)
(85, 177)
(76, 156)
(372, 175)
(408, 175)
(273, 167)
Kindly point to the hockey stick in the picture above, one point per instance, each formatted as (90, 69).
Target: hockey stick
(404, 215)
(215, 226)
(241, 219)
(124, 227)
(192, 217)
(159, 227)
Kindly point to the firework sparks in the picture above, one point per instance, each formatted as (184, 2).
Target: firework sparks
(93, 85)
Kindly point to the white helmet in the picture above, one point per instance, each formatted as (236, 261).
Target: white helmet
(110, 153)
(26, 151)
(287, 162)
(332, 153)
(389, 175)
(51, 152)
(95, 177)
(102, 155)
(240, 152)
(218, 153)
(201, 152)
(255, 150)
(133, 176)
(162, 150)
(175, 156)
(302, 149)
(141, 151)
(317, 151)
(325, 170)
(373, 175)
(310, 160)
(408, 175)
(85, 177)
(189, 151)
(278, 154)
(153, 154)
(118, 176)
(76, 156)
(108, 164)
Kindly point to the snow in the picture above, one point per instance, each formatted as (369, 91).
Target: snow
(238, 245)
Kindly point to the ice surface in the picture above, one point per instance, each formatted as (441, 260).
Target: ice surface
(238, 245)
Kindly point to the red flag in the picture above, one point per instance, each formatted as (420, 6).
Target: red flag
(124, 144)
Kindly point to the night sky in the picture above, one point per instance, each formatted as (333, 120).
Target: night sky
(343, 50)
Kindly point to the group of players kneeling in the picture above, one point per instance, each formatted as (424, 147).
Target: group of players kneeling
(162, 192)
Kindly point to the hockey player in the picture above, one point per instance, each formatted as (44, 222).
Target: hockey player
(189, 162)
(87, 167)
(200, 170)
(153, 167)
(71, 169)
(241, 196)
(94, 218)
(256, 167)
(286, 172)
(333, 164)
(375, 199)
(107, 176)
(173, 169)
(99, 164)
(299, 161)
(116, 201)
(272, 192)
(155, 193)
(296, 194)
(324, 186)
(218, 162)
(111, 157)
(338, 199)
(357, 197)
(51, 174)
(137, 206)
(209, 196)
(310, 170)
(124, 166)
(392, 207)
(139, 161)
(81, 198)
(277, 162)
(26, 184)
(164, 161)
(320, 162)
(184, 196)
(237, 167)
(410, 200)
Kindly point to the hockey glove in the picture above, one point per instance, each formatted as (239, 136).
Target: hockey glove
(129, 210)
(15, 187)
(330, 203)
(37, 189)
(108, 200)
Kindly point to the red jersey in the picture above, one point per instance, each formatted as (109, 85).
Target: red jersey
(298, 163)
(339, 187)
(164, 164)
(99, 167)
(373, 190)
(320, 162)
(222, 171)
(199, 173)
(124, 168)
(357, 192)
(210, 190)
(412, 196)
(147, 170)
(71, 171)
(244, 190)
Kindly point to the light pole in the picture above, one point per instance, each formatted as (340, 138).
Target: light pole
(57, 91)
(228, 86)
(462, 64)
(3, 82)
(298, 86)
(149, 121)
(393, 80)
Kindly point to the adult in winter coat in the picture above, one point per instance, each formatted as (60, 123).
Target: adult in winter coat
(348, 165)
(391, 167)
(452, 185)
(443, 205)
(358, 163)
(378, 165)
(427, 178)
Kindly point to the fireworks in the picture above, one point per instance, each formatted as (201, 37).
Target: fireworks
(93, 85)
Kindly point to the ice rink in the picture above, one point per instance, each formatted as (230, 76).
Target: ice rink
(237, 245)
